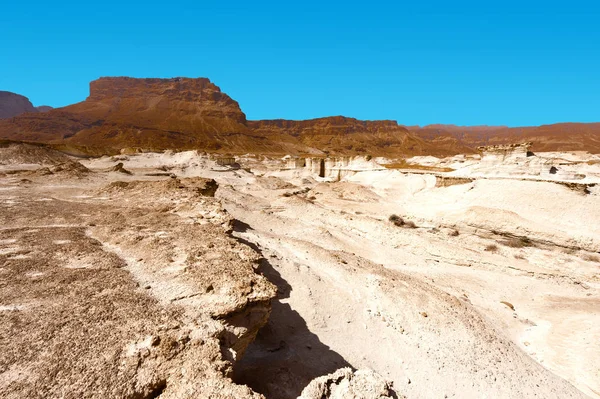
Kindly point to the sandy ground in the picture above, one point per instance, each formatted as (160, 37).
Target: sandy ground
(554, 294)
(493, 294)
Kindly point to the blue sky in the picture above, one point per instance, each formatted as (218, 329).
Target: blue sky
(460, 62)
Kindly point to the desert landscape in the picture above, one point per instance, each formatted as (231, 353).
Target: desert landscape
(156, 243)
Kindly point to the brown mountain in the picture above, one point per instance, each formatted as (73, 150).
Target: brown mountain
(126, 112)
(12, 104)
(343, 135)
(555, 137)
(186, 113)
(43, 108)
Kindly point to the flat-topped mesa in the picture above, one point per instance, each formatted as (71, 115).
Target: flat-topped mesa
(175, 99)
(326, 125)
(341, 135)
(200, 91)
(152, 114)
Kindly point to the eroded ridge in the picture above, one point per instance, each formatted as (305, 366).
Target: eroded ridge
(131, 290)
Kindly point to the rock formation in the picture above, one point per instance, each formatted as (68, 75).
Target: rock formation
(345, 383)
(93, 309)
(343, 135)
(507, 151)
(183, 113)
(192, 113)
(12, 104)
(119, 169)
(332, 167)
(153, 114)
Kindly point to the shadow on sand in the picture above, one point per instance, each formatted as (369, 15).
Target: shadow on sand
(286, 355)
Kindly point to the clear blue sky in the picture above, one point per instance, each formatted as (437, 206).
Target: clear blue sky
(420, 62)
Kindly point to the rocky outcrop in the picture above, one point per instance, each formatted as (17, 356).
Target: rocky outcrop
(12, 104)
(332, 168)
(12, 153)
(447, 181)
(199, 104)
(183, 113)
(503, 152)
(141, 294)
(119, 169)
(345, 383)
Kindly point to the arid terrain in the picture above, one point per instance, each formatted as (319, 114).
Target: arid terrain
(156, 243)
(186, 274)
(133, 114)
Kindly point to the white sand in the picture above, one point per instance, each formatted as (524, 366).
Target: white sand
(363, 285)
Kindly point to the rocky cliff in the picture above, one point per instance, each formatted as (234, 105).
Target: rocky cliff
(12, 104)
(343, 135)
(193, 113)
(122, 112)
(185, 113)
(332, 168)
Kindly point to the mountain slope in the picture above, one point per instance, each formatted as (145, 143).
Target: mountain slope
(126, 112)
(555, 137)
(192, 113)
(12, 104)
(185, 113)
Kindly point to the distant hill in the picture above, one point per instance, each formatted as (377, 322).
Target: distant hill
(193, 113)
(12, 104)
(555, 137)
(187, 113)
(43, 108)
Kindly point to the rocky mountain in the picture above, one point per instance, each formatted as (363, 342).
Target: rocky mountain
(192, 113)
(12, 104)
(43, 108)
(123, 112)
(184, 113)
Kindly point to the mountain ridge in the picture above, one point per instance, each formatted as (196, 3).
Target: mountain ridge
(154, 114)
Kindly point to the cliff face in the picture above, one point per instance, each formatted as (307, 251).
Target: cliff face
(342, 135)
(184, 113)
(187, 113)
(12, 104)
(181, 104)
(125, 112)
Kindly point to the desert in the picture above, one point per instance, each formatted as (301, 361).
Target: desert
(194, 274)
(299, 200)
